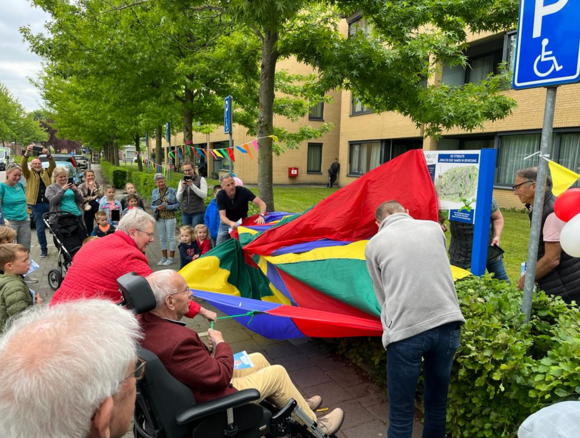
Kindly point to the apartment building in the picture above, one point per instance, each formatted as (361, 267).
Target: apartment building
(362, 139)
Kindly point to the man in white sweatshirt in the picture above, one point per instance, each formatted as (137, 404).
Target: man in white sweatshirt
(411, 274)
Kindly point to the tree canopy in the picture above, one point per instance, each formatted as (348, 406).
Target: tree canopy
(16, 125)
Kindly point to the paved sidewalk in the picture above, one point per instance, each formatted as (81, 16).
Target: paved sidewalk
(313, 369)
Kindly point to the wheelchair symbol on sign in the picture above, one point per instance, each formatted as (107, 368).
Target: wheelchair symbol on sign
(546, 56)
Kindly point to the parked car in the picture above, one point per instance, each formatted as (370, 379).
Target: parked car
(72, 171)
(82, 162)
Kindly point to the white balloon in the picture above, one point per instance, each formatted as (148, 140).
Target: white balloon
(570, 237)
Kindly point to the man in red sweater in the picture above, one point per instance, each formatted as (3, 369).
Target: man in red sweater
(98, 264)
(209, 376)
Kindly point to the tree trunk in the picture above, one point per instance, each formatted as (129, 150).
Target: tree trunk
(158, 148)
(266, 117)
(138, 151)
(188, 114)
(116, 153)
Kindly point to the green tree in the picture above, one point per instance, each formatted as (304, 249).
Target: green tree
(15, 124)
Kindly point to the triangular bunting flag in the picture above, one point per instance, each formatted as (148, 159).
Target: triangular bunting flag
(248, 150)
(231, 154)
(562, 177)
(241, 150)
(213, 154)
(223, 151)
(255, 143)
(273, 137)
(217, 152)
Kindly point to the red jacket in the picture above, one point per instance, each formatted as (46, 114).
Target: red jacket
(188, 359)
(205, 246)
(96, 267)
(98, 264)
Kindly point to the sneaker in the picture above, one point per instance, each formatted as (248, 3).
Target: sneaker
(43, 255)
(314, 403)
(30, 280)
(330, 423)
(168, 262)
(161, 262)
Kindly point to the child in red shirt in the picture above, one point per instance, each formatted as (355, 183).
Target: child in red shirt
(202, 238)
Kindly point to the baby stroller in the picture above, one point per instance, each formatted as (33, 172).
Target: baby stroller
(68, 232)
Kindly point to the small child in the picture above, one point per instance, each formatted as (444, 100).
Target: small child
(108, 204)
(188, 248)
(130, 189)
(103, 227)
(212, 216)
(201, 237)
(7, 235)
(15, 295)
(89, 239)
(132, 201)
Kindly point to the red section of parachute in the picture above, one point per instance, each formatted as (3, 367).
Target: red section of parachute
(349, 214)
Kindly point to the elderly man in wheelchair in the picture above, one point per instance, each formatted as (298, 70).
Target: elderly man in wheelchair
(188, 391)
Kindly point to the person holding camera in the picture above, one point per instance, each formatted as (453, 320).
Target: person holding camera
(192, 192)
(63, 195)
(37, 180)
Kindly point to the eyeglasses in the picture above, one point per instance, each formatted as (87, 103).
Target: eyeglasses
(184, 291)
(517, 186)
(139, 372)
(150, 235)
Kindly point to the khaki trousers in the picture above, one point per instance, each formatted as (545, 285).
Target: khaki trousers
(272, 381)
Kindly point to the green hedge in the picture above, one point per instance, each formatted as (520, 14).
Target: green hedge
(505, 370)
(116, 175)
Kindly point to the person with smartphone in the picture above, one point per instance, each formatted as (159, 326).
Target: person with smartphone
(63, 195)
(37, 180)
(191, 192)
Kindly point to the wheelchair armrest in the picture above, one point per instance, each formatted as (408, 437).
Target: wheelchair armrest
(218, 405)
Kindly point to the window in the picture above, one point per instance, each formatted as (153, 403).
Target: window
(364, 157)
(359, 108)
(359, 24)
(314, 163)
(316, 112)
(462, 144)
(224, 163)
(512, 151)
(510, 49)
(483, 59)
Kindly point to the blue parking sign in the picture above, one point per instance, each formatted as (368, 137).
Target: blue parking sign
(548, 43)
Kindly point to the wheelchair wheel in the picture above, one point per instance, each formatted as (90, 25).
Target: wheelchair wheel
(54, 279)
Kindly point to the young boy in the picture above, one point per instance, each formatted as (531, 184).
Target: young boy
(212, 216)
(103, 227)
(130, 189)
(15, 296)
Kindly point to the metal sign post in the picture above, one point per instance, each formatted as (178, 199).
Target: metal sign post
(167, 160)
(547, 54)
(228, 124)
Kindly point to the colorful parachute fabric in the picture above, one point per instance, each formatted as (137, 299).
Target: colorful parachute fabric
(305, 274)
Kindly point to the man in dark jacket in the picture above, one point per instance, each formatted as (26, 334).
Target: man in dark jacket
(209, 376)
(557, 273)
(333, 172)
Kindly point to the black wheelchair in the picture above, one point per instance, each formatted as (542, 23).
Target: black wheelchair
(166, 408)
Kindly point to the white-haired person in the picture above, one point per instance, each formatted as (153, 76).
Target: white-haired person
(210, 376)
(99, 263)
(64, 195)
(164, 203)
(66, 374)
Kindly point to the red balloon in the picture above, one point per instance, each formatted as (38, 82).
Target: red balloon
(567, 204)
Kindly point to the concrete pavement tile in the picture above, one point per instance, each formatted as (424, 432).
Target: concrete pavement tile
(371, 429)
(278, 350)
(265, 341)
(249, 346)
(306, 377)
(355, 414)
(332, 394)
(347, 376)
(363, 390)
(310, 349)
(372, 399)
(380, 410)
(299, 341)
(327, 362)
(293, 362)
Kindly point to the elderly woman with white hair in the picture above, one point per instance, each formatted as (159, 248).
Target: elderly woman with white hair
(64, 195)
(164, 203)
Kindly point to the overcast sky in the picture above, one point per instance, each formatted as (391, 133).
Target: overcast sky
(17, 63)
